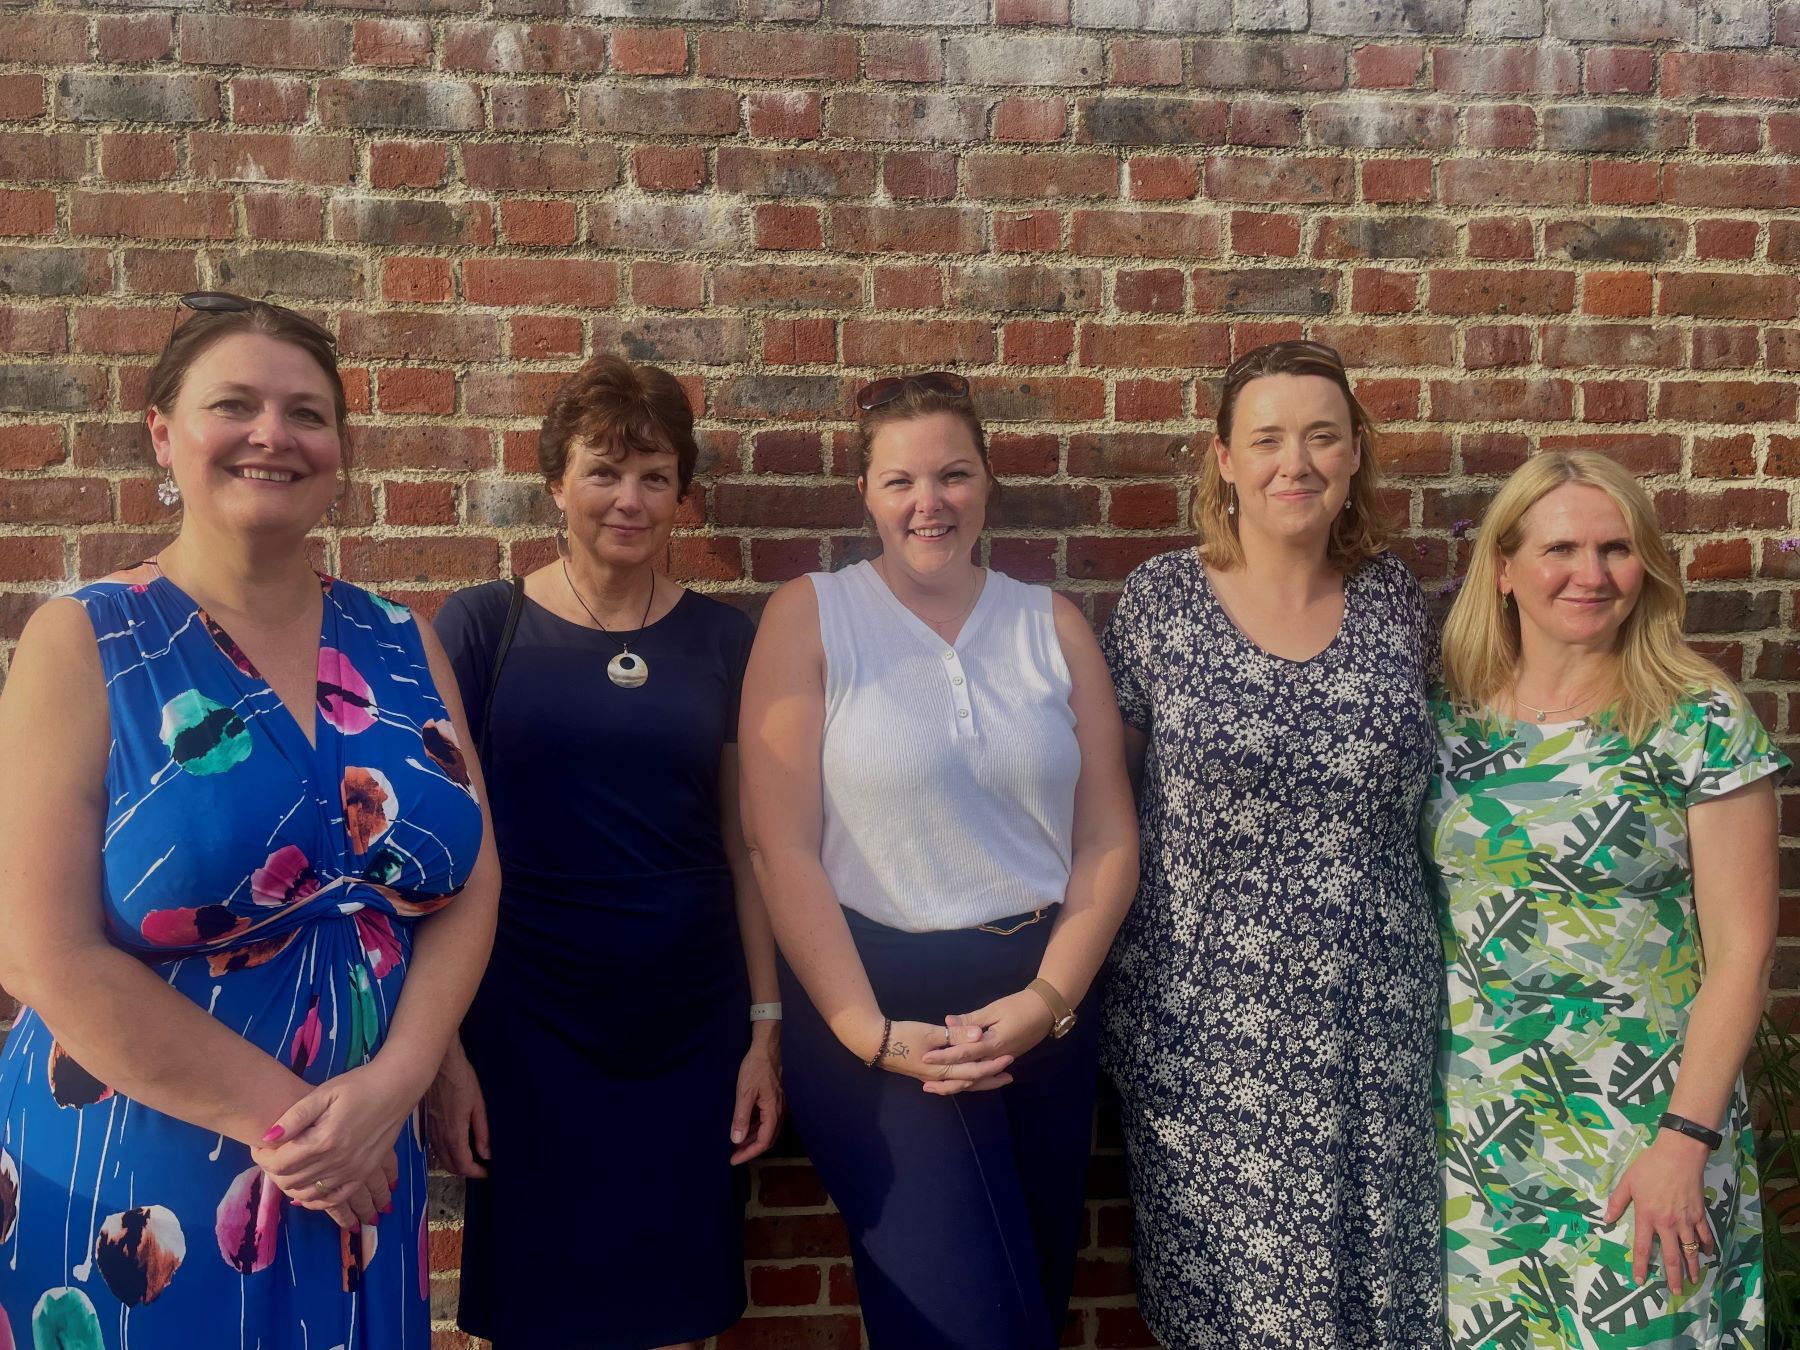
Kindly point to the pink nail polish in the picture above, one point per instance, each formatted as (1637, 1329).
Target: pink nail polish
(388, 1208)
(275, 1132)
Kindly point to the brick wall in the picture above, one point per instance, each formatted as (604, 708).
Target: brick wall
(1529, 223)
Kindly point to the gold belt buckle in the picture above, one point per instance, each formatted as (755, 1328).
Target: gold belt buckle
(998, 931)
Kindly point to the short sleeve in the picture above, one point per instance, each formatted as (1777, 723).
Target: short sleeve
(1127, 646)
(1728, 747)
(1422, 625)
(739, 636)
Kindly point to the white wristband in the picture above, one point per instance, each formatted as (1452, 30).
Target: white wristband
(765, 1012)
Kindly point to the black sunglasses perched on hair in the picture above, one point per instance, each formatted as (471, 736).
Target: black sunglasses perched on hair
(224, 302)
(1319, 351)
(890, 387)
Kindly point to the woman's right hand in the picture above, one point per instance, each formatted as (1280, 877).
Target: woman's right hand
(908, 1042)
(456, 1115)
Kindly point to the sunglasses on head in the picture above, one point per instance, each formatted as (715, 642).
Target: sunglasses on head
(1318, 351)
(224, 302)
(890, 387)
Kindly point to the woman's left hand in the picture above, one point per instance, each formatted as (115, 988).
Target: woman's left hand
(1663, 1184)
(758, 1095)
(1006, 1027)
(339, 1133)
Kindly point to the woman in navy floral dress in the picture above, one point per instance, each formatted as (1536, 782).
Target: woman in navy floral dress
(236, 803)
(1275, 990)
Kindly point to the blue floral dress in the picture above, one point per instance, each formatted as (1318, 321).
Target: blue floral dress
(275, 884)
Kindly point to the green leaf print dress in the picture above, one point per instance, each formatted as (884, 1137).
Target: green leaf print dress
(1560, 854)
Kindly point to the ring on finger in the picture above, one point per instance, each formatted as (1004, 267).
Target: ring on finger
(1690, 1246)
(322, 1187)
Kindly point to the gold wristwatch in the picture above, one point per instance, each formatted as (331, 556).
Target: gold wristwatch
(1062, 1016)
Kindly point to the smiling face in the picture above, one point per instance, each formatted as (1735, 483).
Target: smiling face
(1576, 575)
(620, 508)
(252, 437)
(1291, 457)
(927, 490)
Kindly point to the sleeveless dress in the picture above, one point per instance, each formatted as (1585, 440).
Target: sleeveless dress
(613, 1017)
(1574, 950)
(1277, 985)
(276, 885)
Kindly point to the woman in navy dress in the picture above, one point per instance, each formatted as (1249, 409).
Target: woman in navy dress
(1273, 1013)
(244, 896)
(615, 1018)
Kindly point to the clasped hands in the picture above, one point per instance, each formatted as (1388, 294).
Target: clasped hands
(970, 1052)
(333, 1150)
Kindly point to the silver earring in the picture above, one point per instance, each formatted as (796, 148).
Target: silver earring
(168, 492)
(562, 536)
(331, 512)
(1231, 506)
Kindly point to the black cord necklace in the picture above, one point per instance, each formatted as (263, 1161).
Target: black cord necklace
(627, 670)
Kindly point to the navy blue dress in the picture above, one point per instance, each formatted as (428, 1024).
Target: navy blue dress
(611, 1022)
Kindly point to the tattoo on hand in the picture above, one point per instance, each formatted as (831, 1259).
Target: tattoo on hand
(897, 1050)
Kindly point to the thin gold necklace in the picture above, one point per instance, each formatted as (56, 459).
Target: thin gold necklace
(1544, 714)
(980, 585)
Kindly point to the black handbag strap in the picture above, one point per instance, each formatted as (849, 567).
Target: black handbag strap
(514, 607)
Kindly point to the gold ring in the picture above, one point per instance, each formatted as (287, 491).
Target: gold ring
(322, 1187)
(1690, 1246)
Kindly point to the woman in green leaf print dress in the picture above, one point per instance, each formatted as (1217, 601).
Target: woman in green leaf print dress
(1603, 806)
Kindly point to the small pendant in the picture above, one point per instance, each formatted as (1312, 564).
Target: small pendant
(1543, 716)
(627, 671)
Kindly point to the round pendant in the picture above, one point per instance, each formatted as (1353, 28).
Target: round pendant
(627, 671)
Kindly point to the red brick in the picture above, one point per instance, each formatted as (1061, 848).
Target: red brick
(666, 285)
(269, 100)
(1144, 62)
(1500, 126)
(296, 217)
(431, 503)
(1396, 180)
(1278, 178)
(416, 281)
(1624, 183)
(423, 558)
(799, 342)
(22, 97)
(1031, 11)
(1616, 294)
(1502, 292)
(777, 54)
(1153, 346)
(906, 229)
(1163, 178)
(545, 281)
(417, 390)
(524, 49)
(55, 501)
(649, 51)
(1501, 238)
(414, 164)
(529, 107)
(526, 166)
(1726, 240)
(915, 342)
(27, 446)
(1090, 559)
(1030, 119)
(626, 108)
(919, 175)
(903, 59)
(1490, 346)
(1498, 182)
(812, 1332)
(789, 451)
(1727, 133)
(1147, 401)
(527, 221)
(27, 213)
(1145, 234)
(1728, 186)
(1614, 401)
(391, 42)
(270, 157)
(46, 39)
(1728, 295)
(1726, 401)
(1037, 342)
(669, 168)
(1722, 347)
(1399, 65)
(539, 337)
(785, 114)
(777, 560)
(1506, 68)
(1157, 290)
(801, 286)
(1027, 231)
(134, 39)
(1687, 511)
(1620, 70)
(287, 43)
(1045, 175)
(1770, 75)
(1725, 456)
(785, 1286)
(760, 172)
(151, 215)
(785, 227)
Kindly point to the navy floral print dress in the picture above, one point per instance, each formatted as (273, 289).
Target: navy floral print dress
(276, 884)
(1272, 1018)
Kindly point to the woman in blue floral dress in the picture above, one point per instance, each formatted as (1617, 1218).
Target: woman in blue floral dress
(236, 804)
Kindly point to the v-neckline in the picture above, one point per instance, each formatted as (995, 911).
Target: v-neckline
(239, 660)
(1224, 614)
(924, 631)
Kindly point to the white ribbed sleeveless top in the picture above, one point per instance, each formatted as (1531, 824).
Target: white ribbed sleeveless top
(948, 768)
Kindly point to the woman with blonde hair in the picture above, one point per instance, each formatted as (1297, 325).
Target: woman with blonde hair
(1603, 804)
(1277, 984)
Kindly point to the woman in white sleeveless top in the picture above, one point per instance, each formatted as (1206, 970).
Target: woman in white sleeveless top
(936, 802)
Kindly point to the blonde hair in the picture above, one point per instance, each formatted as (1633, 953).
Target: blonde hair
(1357, 534)
(1655, 666)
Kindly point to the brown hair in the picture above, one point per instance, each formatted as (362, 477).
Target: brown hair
(619, 408)
(918, 401)
(1357, 534)
(194, 336)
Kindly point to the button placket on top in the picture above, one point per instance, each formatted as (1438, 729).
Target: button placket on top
(962, 721)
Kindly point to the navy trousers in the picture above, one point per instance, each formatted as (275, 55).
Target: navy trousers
(964, 1212)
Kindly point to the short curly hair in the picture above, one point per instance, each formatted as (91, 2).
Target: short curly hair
(619, 408)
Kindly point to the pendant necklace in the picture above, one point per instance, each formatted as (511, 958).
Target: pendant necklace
(627, 670)
(1543, 714)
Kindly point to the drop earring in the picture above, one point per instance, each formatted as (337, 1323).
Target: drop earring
(168, 492)
(562, 536)
(1231, 506)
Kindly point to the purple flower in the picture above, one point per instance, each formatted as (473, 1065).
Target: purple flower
(1450, 587)
(1460, 529)
(1420, 549)
(1788, 545)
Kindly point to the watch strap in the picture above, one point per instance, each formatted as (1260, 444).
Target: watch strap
(1062, 1016)
(1693, 1129)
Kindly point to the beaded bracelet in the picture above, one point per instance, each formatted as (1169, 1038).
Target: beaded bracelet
(887, 1031)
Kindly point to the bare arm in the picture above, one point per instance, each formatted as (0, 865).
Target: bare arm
(1733, 845)
(780, 732)
(1103, 871)
(113, 1014)
(753, 918)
